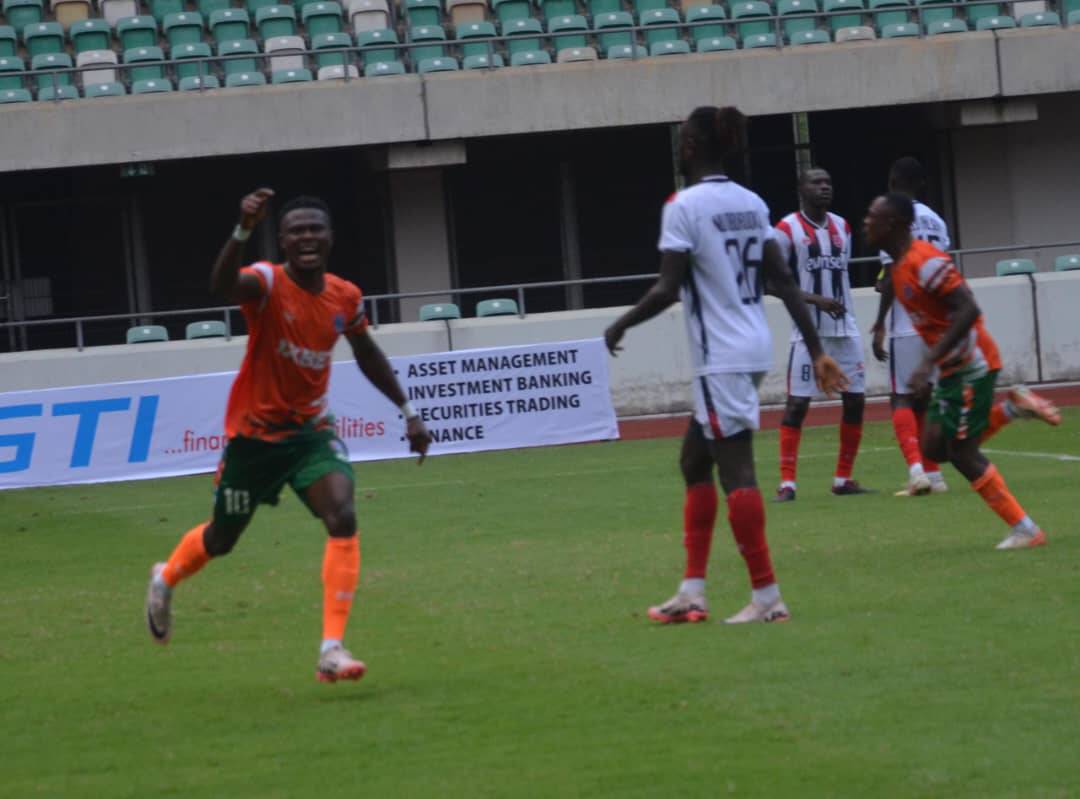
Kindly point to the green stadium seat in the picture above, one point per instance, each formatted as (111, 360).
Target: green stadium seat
(208, 7)
(900, 30)
(15, 96)
(103, 58)
(368, 15)
(159, 9)
(528, 58)
(525, 36)
(230, 24)
(427, 33)
(423, 12)
(68, 92)
(810, 37)
(669, 47)
(274, 21)
(621, 51)
(1041, 19)
(1074, 17)
(500, 307)
(568, 32)
(279, 76)
(509, 10)
(236, 48)
(597, 7)
(9, 42)
(20, 13)
(558, 8)
(751, 10)
(756, 40)
(570, 55)
(706, 22)
(134, 32)
(438, 64)
(8, 65)
(146, 333)
(237, 79)
(476, 30)
(151, 86)
(150, 58)
(1066, 263)
(337, 72)
(194, 83)
(253, 6)
(320, 18)
(103, 90)
(610, 21)
(286, 52)
(186, 66)
(943, 26)
(976, 12)
(660, 16)
(90, 34)
(643, 6)
(1015, 266)
(439, 310)
(895, 13)
(858, 33)
(930, 13)
(482, 61)
(330, 50)
(43, 37)
(715, 44)
(994, 23)
(802, 11)
(214, 328)
(380, 68)
(183, 28)
(837, 20)
(49, 63)
(370, 51)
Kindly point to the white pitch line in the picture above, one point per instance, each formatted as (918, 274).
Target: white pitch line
(1050, 456)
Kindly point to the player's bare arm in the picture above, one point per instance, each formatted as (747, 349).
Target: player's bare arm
(674, 267)
(963, 313)
(832, 307)
(376, 368)
(885, 301)
(782, 286)
(225, 279)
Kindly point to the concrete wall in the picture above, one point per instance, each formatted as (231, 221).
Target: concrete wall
(652, 375)
(421, 244)
(556, 97)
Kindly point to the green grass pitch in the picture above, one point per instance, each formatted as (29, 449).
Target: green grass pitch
(501, 613)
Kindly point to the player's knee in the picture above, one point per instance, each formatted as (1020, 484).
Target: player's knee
(219, 541)
(340, 523)
(694, 469)
(795, 411)
(853, 406)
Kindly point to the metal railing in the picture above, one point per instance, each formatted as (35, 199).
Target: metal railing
(204, 65)
(518, 289)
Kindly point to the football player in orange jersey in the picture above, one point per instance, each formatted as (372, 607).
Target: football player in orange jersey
(962, 412)
(279, 428)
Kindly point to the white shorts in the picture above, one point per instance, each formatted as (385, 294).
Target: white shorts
(847, 352)
(905, 353)
(726, 404)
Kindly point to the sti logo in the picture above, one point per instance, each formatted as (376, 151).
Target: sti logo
(89, 412)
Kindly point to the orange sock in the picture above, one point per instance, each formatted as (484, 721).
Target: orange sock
(789, 451)
(189, 556)
(995, 493)
(998, 419)
(340, 574)
(906, 427)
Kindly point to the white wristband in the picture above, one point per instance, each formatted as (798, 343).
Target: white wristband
(407, 410)
(241, 234)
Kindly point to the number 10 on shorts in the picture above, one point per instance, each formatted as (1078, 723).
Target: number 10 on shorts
(237, 502)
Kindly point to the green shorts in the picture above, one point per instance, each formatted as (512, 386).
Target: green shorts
(253, 472)
(961, 404)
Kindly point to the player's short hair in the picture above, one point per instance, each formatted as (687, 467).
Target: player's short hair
(907, 173)
(901, 205)
(805, 173)
(304, 201)
(721, 131)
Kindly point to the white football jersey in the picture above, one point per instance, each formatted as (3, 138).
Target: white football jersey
(931, 228)
(818, 256)
(724, 227)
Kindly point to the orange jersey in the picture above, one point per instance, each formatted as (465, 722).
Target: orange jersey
(283, 381)
(921, 281)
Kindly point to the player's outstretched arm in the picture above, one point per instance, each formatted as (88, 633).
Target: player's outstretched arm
(225, 278)
(782, 286)
(964, 313)
(376, 368)
(664, 293)
(885, 301)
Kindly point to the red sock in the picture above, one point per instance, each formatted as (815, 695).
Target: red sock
(906, 427)
(928, 464)
(850, 436)
(789, 451)
(998, 419)
(189, 556)
(699, 517)
(746, 512)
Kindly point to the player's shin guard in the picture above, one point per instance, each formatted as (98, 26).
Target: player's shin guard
(991, 487)
(340, 574)
(906, 427)
(850, 438)
(699, 518)
(746, 512)
(789, 452)
(189, 556)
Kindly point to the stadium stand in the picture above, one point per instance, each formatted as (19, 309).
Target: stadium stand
(214, 328)
(1015, 266)
(436, 311)
(147, 333)
(499, 307)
